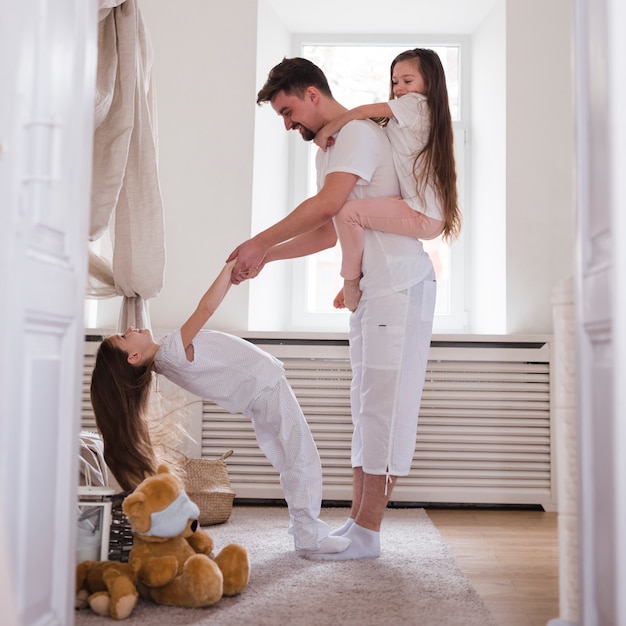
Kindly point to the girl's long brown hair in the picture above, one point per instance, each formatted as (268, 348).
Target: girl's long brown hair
(119, 396)
(437, 156)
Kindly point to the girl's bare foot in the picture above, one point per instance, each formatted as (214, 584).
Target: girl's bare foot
(351, 293)
(338, 301)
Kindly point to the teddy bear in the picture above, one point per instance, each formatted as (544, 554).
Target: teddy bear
(171, 557)
(108, 587)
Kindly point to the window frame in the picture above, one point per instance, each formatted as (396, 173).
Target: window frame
(299, 163)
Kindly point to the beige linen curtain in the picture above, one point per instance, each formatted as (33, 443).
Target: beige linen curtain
(126, 204)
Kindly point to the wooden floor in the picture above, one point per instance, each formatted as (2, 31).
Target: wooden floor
(510, 557)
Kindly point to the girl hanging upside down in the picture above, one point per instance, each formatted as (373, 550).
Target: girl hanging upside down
(233, 373)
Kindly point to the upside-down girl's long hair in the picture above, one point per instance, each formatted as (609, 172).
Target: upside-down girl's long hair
(437, 156)
(119, 396)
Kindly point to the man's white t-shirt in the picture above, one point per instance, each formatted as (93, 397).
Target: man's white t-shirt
(391, 263)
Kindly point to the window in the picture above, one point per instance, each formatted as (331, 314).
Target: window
(359, 73)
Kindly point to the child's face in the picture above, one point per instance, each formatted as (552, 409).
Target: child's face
(407, 78)
(133, 341)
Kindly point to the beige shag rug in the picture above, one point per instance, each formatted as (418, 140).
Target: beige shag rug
(415, 581)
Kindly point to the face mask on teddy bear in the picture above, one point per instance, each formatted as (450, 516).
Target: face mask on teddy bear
(172, 520)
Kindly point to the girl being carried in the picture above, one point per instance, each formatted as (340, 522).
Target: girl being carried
(419, 127)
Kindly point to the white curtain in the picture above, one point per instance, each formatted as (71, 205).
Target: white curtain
(126, 204)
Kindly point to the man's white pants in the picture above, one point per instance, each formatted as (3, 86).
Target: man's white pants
(389, 345)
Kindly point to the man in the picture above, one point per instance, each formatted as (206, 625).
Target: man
(391, 328)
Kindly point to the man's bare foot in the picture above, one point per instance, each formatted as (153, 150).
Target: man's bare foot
(351, 293)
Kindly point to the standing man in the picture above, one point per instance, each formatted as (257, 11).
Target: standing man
(391, 328)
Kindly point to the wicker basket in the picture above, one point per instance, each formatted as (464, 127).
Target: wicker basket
(207, 484)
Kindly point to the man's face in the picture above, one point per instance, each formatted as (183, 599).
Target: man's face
(297, 113)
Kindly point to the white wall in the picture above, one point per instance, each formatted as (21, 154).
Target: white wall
(539, 159)
(522, 211)
(221, 157)
(205, 71)
(485, 222)
(269, 302)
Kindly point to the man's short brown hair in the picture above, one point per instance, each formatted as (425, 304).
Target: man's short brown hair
(293, 76)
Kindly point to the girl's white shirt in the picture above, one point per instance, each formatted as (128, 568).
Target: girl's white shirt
(226, 369)
(391, 263)
(408, 132)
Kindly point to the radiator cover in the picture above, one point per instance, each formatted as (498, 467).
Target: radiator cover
(484, 433)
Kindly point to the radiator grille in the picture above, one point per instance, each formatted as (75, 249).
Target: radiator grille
(88, 421)
(484, 433)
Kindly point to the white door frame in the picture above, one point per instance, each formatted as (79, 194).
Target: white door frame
(48, 54)
(600, 66)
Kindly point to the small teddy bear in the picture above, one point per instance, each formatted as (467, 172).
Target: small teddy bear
(107, 587)
(171, 557)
